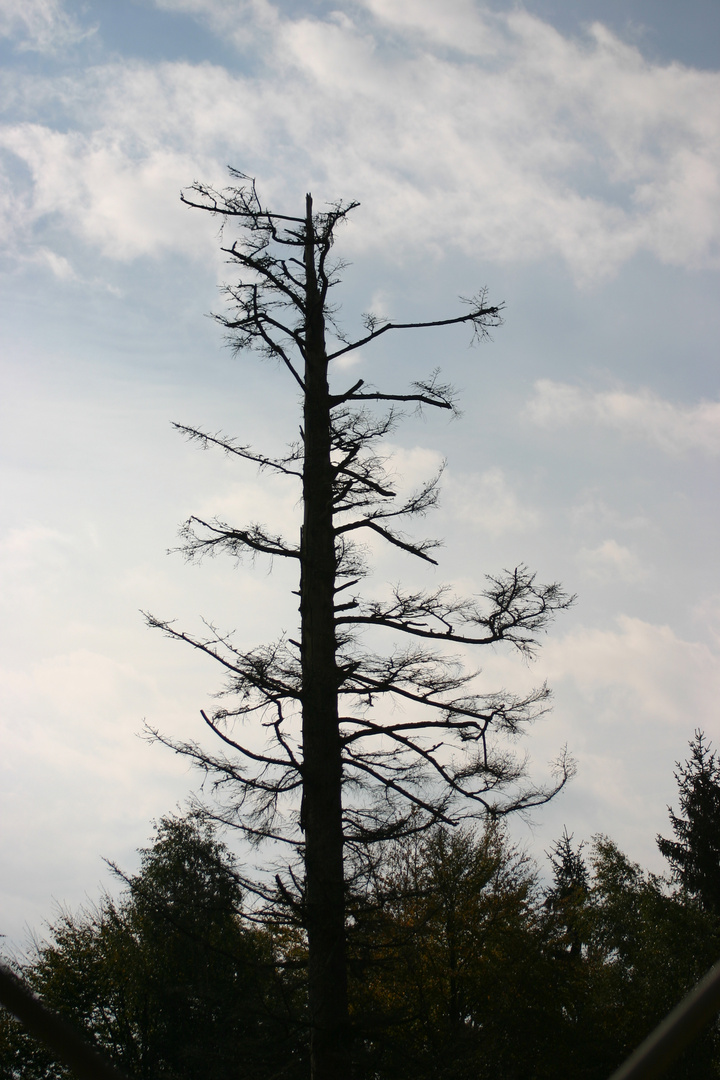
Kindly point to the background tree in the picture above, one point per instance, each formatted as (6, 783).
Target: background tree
(470, 970)
(171, 981)
(451, 982)
(649, 948)
(695, 853)
(567, 933)
(343, 770)
(459, 965)
(569, 895)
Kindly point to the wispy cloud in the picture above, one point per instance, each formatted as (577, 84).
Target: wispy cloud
(640, 414)
(39, 25)
(658, 673)
(487, 501)
(631, 668)
(611, 561)
(241, 22)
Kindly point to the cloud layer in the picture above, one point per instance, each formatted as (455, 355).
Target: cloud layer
(538, 143)
(42, 26)
(464, 132)
(640, 414)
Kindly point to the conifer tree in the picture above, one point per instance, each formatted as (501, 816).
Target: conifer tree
(695, 853)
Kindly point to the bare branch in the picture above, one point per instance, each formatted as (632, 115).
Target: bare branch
(265, 759)
(419, 549)
(231, 446)
(481, 317)
(234, 541)
(518, 610)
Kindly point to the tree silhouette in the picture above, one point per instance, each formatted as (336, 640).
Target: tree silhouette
(170, 981)
(695, 853)
(342, 769)
(447, 972)
(569, 894)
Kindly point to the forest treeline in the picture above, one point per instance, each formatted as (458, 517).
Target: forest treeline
(466, 960)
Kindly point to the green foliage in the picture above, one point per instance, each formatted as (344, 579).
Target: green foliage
(461, 965)
(650, 948)
(451, 966)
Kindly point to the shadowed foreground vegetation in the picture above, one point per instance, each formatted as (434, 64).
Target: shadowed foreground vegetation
(462, 963)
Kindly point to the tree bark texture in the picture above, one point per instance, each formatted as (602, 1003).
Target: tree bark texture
(322, 766)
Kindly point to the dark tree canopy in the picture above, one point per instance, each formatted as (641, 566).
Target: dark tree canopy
(447, 959)
(569, 894)
(460, 966)
(365, 741)
(171, 981)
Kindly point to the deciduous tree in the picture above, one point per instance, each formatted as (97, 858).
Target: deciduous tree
(170, 981)
(452, 981)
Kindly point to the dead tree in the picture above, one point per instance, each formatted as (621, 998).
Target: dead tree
(341, 769)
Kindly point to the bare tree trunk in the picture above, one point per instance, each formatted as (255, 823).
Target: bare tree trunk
(281, 312)
(322, 767)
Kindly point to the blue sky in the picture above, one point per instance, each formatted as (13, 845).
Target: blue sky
(565, 155)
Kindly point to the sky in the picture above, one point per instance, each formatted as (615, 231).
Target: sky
(566, 156)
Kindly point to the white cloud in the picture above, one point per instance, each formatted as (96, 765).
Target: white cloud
(239, 21)
(611, 561)
(487, 502)
(627, 697)
(540, 145)
(648, 667)
(76, 781)
(634, 684)
(410, 467)
(126, 207)
(39, 25)
(457, 24)
(591, 512)
(35, 554)
(271, 501)
(640, 414)
(707, 614)
(58, 264)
